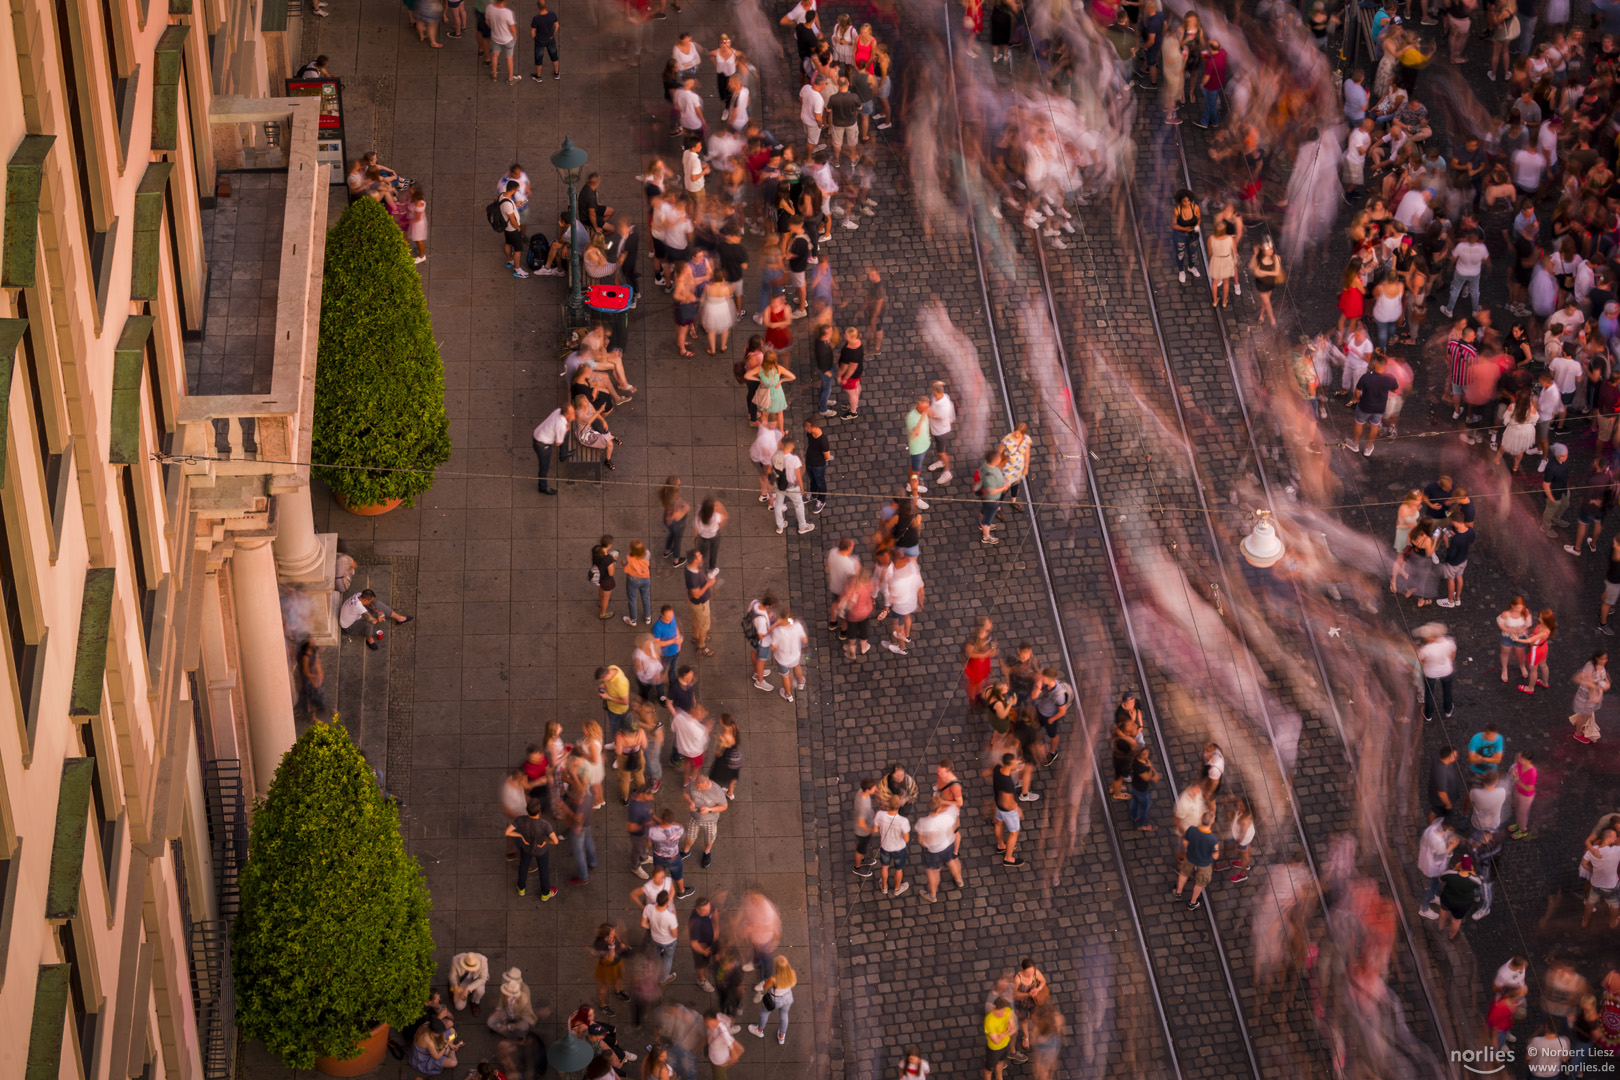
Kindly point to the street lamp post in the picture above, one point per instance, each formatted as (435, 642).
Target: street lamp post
(570, 163)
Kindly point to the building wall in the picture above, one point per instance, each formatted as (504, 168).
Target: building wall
(88, 72)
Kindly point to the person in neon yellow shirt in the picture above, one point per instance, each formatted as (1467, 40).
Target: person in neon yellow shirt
(999, 1025)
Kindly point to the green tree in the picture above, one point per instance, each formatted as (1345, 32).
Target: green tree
(380, 428)
(333, 934)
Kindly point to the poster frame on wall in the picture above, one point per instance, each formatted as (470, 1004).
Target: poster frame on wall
(330, 146)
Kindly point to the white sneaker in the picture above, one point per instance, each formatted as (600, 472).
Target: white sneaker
(1478, 915)
(519, 272)
(1028, 796)
(922, 504)
(1534, 451)
(944, 477)
(903, 888)
(549, 271)
(806, 528)
(1058, 243)
(640, 873)
(1195, 271)
(1428, 912)
(922, 489)
(1181, 276)
(421, 258)
(1237, 287)
(756, 1031)
(763, 684)
(851, 223)
(936, 466)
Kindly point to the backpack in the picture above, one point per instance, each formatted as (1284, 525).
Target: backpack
(750, 631)
(497, 220)
(539, 246)
(781, 478)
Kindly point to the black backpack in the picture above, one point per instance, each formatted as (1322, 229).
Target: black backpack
(497, 220)
(539, 246)
(750, 632)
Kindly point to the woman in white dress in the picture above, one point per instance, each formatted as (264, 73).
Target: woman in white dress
(843, 41)
(1519, 433)
(417, 233)
(717, 313)
(725, 66)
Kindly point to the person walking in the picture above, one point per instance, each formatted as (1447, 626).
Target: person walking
(1591, 683)
(778, 998)
(659, 920)
(893, 833)
(1000, 1024)
(1438, 657)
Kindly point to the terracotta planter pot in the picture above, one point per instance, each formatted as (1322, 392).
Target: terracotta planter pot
(372, 1051)
(369, 510)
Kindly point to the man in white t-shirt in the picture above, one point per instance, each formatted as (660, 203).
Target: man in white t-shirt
(812, 114)
(893, 833)
(721, 1043)
(941, 419)
(690, 107)
(1529, 165)
(789, 466)
(693, 167)
(1414, 212)
(1357, 351)
(363, 613)
(802, 12)
(1355, 158)
(905, 598)
(1434, 858)
(1468, 260)
(1604, 860)
(1486, 803)
(502, 38)
(788, 639)
(937, 833)
(659, 920)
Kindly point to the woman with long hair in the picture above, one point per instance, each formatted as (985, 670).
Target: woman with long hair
(1266, 268)
(1512, 625)
(772, 377)
(638, 583)
(753, 360)
(1519, 431)
(603, 561)
(978, 652)
(711, 518)
(1415, 574)
(675, 510)
(1536, 644)
(778, 998)
(727, 765)
(1591, 682)
(1222, 256)
(592, 769)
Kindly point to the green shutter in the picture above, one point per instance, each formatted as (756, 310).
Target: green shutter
(11, 335)
(67, 852)
(95, 626)
(149, 230)
(25, 172)
(166, 88)
(51, 993)
(129, 365)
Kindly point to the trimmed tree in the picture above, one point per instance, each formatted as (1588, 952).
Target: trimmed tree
(380, 428)
(332, 937)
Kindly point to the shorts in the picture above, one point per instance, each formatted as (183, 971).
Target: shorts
(483, 26)
(1048, 725)
(1122, 768)
(868, 107)
(862, 843)
(763, 650)
(502, 48)
(846, 136)
(1611, 593)
(1610, 896)
(917, 461)
(1587, 517)
(660, 252)
(933, 860)
(1200, 875)
(992, 1058)
(785, 669)
(796, 278)
(676, 255)
(1458, 389)
(1009, 818)
(670, 866)
(940, 446)
(514, 240)
(894, 859)
(696, 763)
(1369, 418)
(1453, 573)
(609, 974)
(547, 47)
(812, 134)
(851, 384)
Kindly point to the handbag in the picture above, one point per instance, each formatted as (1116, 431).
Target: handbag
(768, 1002)
(1042, 995)
(762, 397)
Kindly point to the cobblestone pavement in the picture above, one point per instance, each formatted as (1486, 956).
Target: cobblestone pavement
(506, 639)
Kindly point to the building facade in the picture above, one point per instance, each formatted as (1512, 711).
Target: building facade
(151, 533)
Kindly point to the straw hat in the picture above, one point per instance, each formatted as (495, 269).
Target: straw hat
(512, 985)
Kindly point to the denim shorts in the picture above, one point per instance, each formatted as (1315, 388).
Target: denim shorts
(917, 461)
(1369, 418)
(896, 859)
(933, 860)
(763, 650)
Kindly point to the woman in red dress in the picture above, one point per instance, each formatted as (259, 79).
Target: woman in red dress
(977, 653)
(1351, 298)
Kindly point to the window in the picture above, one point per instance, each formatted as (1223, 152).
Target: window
(73, 79)
(145, 595)
(84, 1021)
(154, 390)
(55, 466)
(24, 656)
(123, 87)
(106, 823)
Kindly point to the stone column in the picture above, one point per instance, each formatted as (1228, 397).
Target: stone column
(300, 555)
(266, 674)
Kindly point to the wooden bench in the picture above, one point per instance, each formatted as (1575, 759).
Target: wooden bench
(576, 456)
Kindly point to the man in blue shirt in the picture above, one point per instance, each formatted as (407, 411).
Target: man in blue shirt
(1200, 848)
(1485, 751)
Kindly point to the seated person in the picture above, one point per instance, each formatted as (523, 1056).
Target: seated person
(562, 246)
(590, 429)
